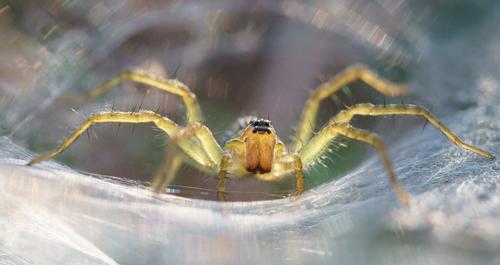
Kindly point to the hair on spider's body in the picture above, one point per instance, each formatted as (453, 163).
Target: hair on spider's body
(255, 149)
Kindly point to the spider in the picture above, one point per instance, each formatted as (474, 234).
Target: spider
(257, 150)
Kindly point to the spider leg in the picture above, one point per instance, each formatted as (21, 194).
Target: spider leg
(192, 134)
(396, 109)
(307, 121)
(224, 164)
(196, 152)
(231, 148)
(171, 165)
(171, 85)
(299, 174)
(205, 137)
(316, 147)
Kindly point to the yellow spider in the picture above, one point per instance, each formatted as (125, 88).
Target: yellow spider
(257, 150)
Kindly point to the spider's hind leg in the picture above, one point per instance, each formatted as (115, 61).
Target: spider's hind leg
(193, 111)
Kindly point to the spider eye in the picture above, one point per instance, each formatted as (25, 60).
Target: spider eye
(254, 130)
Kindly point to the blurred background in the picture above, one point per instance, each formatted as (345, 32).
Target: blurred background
(262, 58)
(240, 58)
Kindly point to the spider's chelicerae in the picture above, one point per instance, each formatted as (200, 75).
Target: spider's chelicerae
(257, 150)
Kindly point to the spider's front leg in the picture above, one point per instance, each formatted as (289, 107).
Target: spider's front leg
(307, 121)
(232, 148)
(205, 154)
(299, 174)
(194, 134)
(338, 125)
(193, 111)
(316, 147)
(345, 116)
(223, 168)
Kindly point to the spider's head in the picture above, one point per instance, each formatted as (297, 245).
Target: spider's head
(261, 126)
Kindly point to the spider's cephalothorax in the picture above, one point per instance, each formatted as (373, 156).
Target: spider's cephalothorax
(256, 150)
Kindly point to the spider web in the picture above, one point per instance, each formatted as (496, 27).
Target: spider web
(51, 214)
(455, 204)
